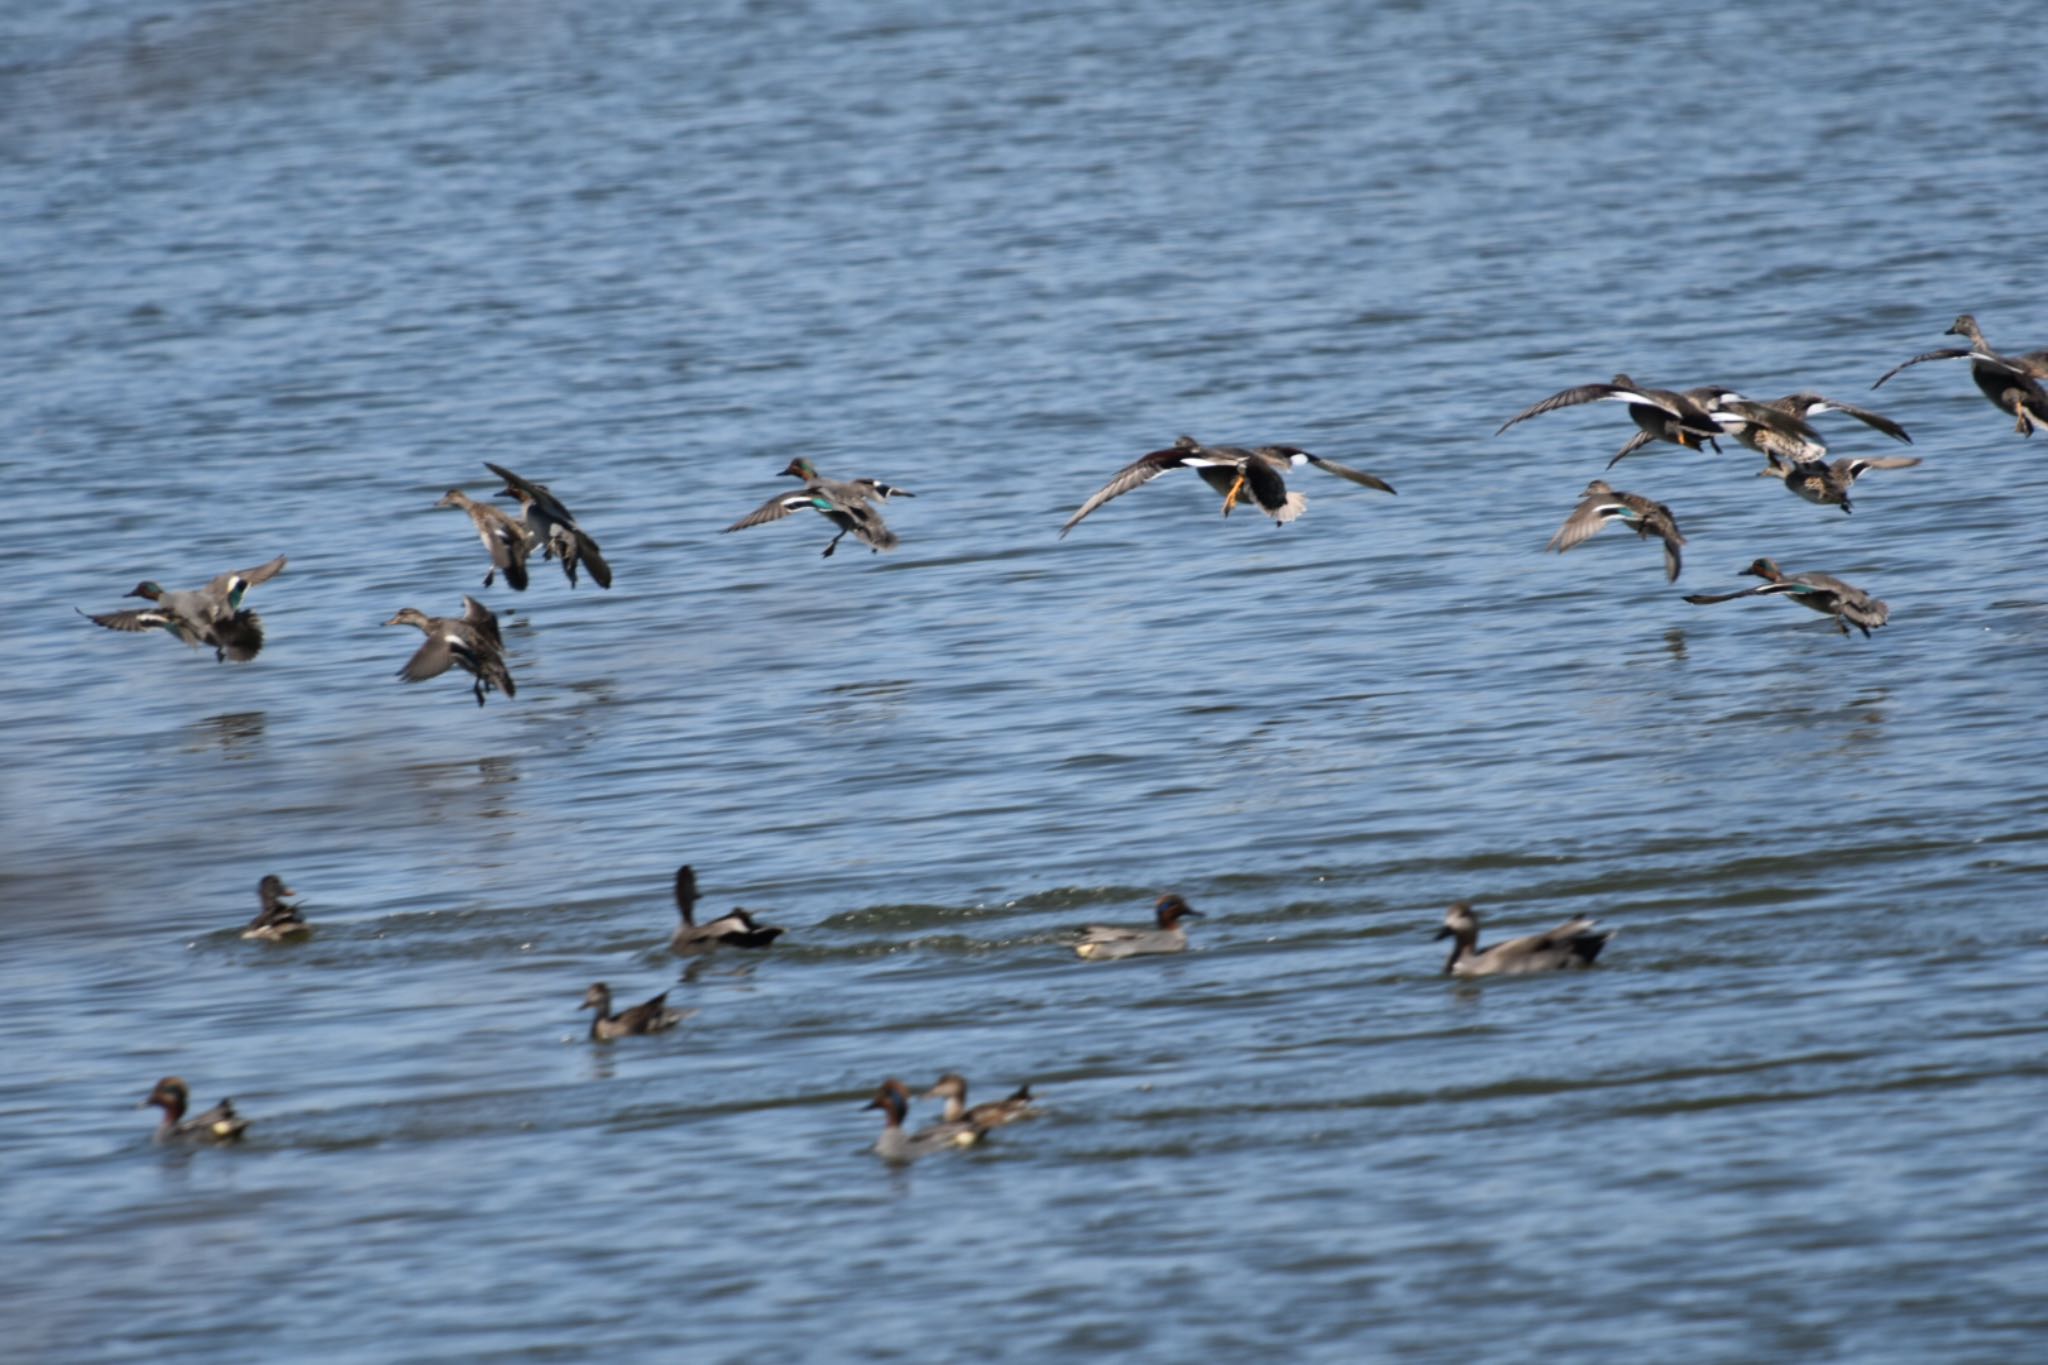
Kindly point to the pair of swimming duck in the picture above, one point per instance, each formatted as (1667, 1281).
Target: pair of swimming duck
(1575, 943)
(959, 1126)
(737, 928)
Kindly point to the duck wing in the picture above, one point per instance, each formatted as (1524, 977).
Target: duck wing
(437, 654)
(1344, 471)
(1142, 470)
(1945, 353)
(775, 509)
(142, 618)
(588, 555)
(230, 586)
(1875, 421)
(539, 494)
(1592, 513)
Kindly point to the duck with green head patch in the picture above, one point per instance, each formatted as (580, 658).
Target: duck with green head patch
(847, 504)
(1830, 596)
(212, 615)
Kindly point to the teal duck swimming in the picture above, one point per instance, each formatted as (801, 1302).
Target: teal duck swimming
(847, 504)
(553, 527)
(1575, 943)
(218, 1124)
(277, 921)
(212, 615)
(900, 1147)
(952, 1088)
(1692, 419)
(650, 1016)
(2010, 383)
(1101, 942)
(1602, 504)
(1824, 593)
(505, 538)
(1233, 471)
(471, 643)
(1828, 484)
(736, 928)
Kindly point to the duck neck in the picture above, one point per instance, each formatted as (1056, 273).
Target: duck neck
(1465, 943)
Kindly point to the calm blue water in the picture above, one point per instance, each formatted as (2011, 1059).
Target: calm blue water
(278, 275)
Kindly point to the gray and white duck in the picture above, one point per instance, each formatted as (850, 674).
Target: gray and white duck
(1256, 474)
(212, 615)
(736, 928)
(1575, 943)
(848, 504)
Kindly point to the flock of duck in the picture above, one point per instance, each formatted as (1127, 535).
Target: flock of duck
(1696, 418)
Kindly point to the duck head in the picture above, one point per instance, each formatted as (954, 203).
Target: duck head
(272, 889)
(893, 1099)
(410, 616)
(1965, 325)
(800, 468)
(171, 1096)
(1461, 922)
(147, 588)
(1766, 569)
(454, 497)
(951, 1086)
(1170, 909)
(598, 997)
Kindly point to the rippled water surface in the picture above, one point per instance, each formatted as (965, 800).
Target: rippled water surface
(280, 274)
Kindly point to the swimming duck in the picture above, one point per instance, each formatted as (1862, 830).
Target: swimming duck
(277, 921)
(218, 1124)
(952, 1088)
(212, 615)
(1824, 593)
(1828, 484)
(1232, 471)
(553, 527)
(650, 1016)
(1575, 943)
(736, 928)
(2010, 383)
(1791, 447)
(1691, 419)
(473, 643)
(846, 504)
(1100, 942)
(1603, 504)
(895, 1145)
(505, 538)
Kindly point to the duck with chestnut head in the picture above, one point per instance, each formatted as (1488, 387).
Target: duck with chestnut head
(219, 1124)
(1100, 942)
